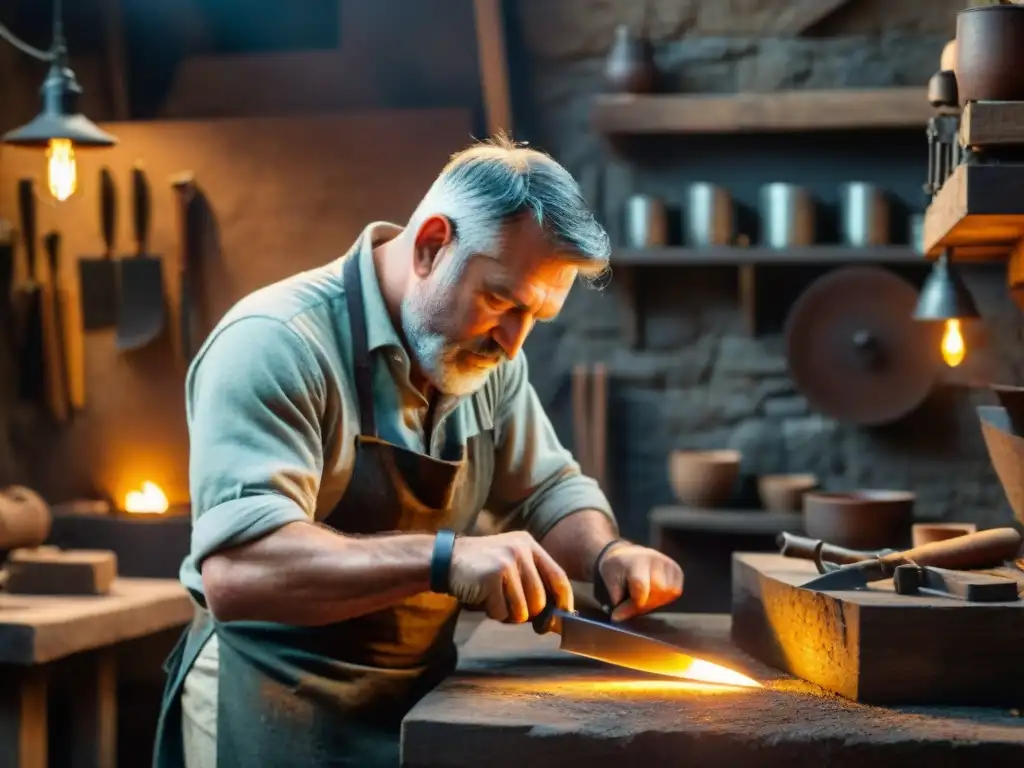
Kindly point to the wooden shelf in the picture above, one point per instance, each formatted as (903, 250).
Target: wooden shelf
(739, 522)
(979, 213)
(746, 260)
(782, 111)
(754, 255)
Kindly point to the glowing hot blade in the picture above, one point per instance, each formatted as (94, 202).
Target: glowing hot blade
(619, 646)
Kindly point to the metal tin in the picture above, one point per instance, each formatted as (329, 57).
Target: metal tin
(787, 216)
(863, 215)
(646, 222)
(708, 218)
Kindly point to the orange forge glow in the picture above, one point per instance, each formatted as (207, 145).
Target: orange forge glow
(150, 500)
(61, 171)
(953, 349)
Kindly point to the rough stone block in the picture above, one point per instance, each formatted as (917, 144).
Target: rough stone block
(570, 29)
(762, 446)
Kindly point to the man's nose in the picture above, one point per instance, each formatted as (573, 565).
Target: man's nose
(512, 332)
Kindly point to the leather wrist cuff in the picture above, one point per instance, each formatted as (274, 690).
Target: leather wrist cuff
(441, 562)
(600, 588)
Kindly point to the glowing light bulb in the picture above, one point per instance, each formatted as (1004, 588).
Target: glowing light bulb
(61, 173)
(953, 349)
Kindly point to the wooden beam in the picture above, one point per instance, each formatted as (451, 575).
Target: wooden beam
(117, 82)
(490, 43)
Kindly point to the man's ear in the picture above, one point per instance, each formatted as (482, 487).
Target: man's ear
(433, 234)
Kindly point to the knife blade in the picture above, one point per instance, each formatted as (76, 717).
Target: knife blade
(974, 550)
(602, 641)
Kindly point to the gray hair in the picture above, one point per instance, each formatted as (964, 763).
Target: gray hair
(497, 181)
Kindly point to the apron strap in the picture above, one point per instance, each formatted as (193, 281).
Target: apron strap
(360, 348)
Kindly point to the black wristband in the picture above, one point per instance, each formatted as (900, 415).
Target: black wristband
(600, 588)
(441, 562)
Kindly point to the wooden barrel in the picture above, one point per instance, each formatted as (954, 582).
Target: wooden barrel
(25, 519)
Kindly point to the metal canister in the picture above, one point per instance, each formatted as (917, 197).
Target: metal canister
(915, 232)
(708, 218)
(646, 222)
(787, 215)
(863, 215)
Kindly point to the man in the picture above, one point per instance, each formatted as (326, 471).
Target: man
(347, 424)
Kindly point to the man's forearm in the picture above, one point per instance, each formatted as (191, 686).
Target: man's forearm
(575, 542)
(305, 575)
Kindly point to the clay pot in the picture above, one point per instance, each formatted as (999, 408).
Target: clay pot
(867, 519)
(704, 479)
(989, 47)
(1006, 450)
(926, 533)
(947, 62)
(1012, 399)
(25, 519)
(785, 493)
(630, 66)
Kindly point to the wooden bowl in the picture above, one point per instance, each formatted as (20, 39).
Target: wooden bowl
(703, 479)
(926, 533)
(1006, 450)
(785, 493)
(870, 519)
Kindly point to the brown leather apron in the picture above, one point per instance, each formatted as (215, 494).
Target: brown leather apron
(335, 695)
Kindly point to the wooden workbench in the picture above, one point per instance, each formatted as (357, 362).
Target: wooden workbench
(75, 637)
(516, 700)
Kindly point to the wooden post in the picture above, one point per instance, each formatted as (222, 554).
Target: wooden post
(23, 726)
(490, 43)
(93, 688)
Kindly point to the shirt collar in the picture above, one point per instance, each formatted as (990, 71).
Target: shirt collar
(380, 331)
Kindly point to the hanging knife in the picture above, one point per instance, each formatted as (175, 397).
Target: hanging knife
(983, 549)
(601, 640)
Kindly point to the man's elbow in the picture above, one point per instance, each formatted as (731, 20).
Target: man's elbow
(224, 587)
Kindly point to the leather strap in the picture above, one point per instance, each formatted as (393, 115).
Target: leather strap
(441, 562)
(360, 348)
(601, 593)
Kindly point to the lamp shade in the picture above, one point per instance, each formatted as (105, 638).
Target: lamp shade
(944, 295)
(60, 118)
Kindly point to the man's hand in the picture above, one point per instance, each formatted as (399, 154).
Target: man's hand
(508, 575)
(639, 580)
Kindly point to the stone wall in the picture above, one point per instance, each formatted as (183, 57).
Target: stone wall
(702, 381)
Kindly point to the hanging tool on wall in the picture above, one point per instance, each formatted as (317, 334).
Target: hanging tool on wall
(60, 388)
(590, 420)
(185, 192)
(142, 313)
(98, 277)
(31, 337)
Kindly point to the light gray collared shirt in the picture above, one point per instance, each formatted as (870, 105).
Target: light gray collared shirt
(272, 416)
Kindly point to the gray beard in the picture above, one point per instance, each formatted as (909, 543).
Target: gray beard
(433, 353)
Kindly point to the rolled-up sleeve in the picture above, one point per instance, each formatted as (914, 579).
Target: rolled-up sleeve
(536, 481)
(254, 404)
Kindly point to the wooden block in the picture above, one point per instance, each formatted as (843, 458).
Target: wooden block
(50, 571)
(979, 212)
(992, 124)
(876, 646)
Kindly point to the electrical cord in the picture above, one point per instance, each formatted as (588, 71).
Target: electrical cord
(38, 53)
(21, 45)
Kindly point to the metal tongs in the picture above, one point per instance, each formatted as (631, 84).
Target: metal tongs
(936, 568)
